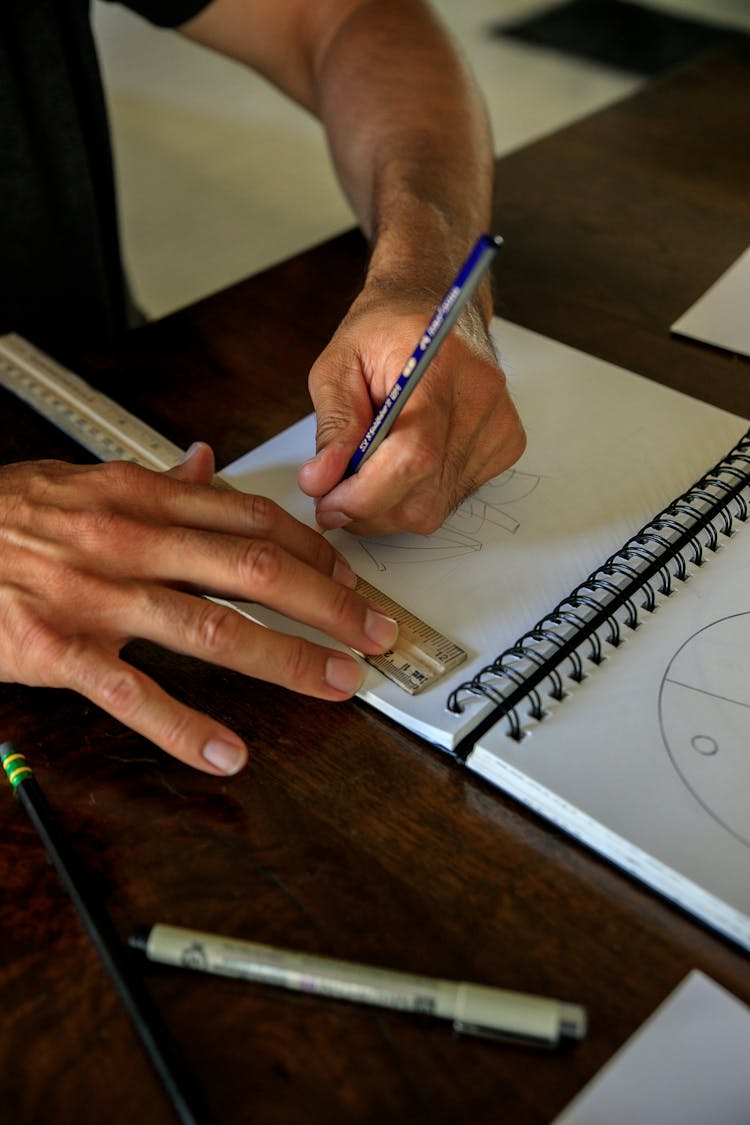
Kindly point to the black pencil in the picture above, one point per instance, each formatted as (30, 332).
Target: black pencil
(113, 952)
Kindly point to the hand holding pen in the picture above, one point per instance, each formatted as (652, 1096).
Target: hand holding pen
(457, 430)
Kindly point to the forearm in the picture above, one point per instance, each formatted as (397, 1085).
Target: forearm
(409, 137)
(405, 124)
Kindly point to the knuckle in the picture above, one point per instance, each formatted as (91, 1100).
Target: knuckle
(36, 646)
(54, 483)
(28, 503)
(330, 427)
(177, 732)
(38, 477)
(454, 484)
(423, 518)
(339, 608)
(425, 463)
(297, 664)
(20, 513)
(264, 514)
(216, 628)
(97, 524)
(519, 443)
(260, 566)
(120, 691)
(322, 557)
(438, 486)
(125, 476)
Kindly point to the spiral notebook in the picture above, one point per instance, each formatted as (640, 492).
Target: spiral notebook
(602, 590)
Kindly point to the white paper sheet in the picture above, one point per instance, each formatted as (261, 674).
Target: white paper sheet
(687, 1065)
(722, 315)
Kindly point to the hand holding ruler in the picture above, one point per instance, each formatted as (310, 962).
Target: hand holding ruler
(111, 433)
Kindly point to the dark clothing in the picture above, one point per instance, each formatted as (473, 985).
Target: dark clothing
(62, 277)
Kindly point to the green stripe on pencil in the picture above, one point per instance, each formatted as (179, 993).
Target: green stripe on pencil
(14, 764)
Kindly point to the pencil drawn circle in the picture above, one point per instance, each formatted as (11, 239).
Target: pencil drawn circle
(704, 712)
(705, 744)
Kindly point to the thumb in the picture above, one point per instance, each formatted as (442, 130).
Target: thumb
(343, 413)
(323, 472)
(197, 465)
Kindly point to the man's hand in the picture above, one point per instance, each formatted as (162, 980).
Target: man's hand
(409, 136)
(458, 429)
(94, 556)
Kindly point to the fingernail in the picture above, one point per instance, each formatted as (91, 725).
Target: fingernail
(224, 756)
(343, 573)
(189, 452)
(344, 674)
(329, 521)
(381, 629)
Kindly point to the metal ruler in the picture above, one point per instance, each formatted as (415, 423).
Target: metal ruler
(110, 432)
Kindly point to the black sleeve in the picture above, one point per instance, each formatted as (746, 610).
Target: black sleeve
(166, 13)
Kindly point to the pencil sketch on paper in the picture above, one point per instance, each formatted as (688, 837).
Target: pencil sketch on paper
(464, 531)
(705, 717)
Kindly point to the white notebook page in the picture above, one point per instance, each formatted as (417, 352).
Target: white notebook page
(648, 760)
(606, 450)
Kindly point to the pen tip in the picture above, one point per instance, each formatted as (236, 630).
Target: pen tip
(139, 938)
(573, 1021)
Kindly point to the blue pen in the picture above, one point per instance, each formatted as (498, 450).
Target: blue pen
(442, 321)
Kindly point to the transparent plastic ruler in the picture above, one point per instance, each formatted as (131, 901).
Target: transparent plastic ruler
(110, 432)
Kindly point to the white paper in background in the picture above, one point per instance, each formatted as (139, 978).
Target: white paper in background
(722, 315)
(688, 1065)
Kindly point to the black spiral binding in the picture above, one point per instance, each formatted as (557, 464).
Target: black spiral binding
(596, 612)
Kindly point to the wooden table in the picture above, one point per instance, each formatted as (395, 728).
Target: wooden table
(345, 835)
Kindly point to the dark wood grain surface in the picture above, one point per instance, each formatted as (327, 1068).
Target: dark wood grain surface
(345, 835)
